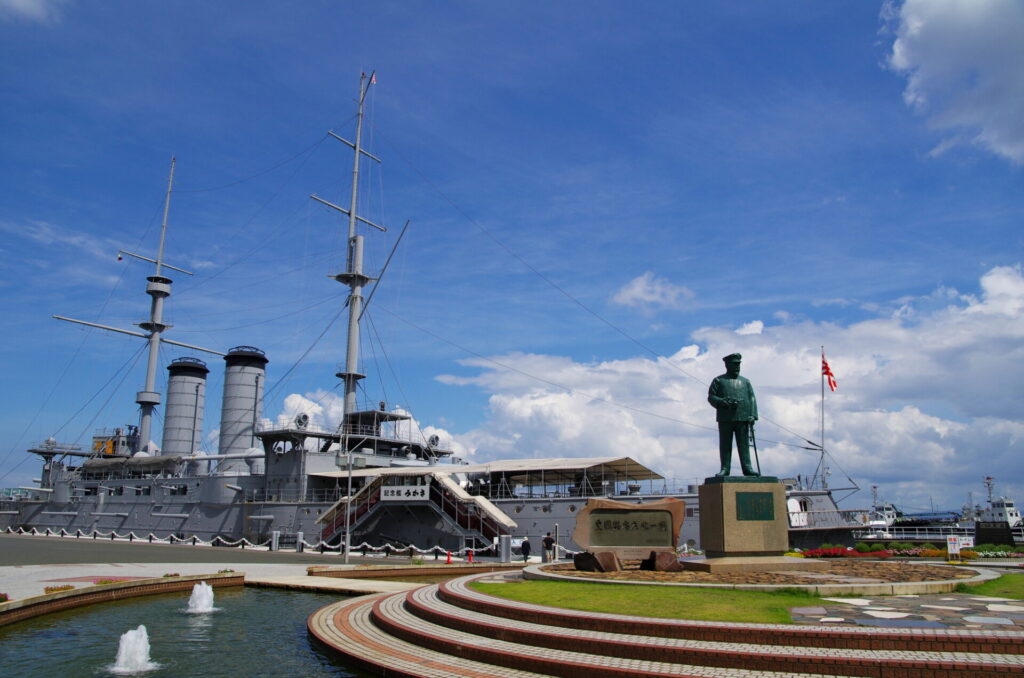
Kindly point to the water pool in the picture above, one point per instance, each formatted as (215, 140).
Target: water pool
(255, 632)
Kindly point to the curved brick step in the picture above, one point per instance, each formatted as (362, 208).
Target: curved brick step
(391, 614)
(346, 628)
(458, 593)
(660, 654)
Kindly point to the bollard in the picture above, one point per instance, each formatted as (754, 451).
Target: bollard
(150, 537)
(437, 554)
(449, 561)
(193, 540)
(131, 536)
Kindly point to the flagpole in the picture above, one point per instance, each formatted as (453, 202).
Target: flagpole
(823, 400)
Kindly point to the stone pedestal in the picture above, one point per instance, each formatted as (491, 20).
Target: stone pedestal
(743, 516)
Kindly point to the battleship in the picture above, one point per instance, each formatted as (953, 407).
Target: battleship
(372, 481)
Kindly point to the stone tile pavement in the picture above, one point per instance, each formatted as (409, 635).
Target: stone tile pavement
(936, 611)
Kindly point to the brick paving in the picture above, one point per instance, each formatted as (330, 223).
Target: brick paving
(449, 629)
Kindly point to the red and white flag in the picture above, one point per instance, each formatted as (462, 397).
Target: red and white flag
(827, 372)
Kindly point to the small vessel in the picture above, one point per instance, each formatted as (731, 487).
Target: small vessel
(885, 522)
(371, 480)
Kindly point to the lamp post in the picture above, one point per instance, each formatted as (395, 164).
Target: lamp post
(348, 496)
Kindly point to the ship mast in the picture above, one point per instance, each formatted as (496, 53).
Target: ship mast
(353, 275)
(158, 287)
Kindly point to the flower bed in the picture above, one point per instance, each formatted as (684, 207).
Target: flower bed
(906, 550)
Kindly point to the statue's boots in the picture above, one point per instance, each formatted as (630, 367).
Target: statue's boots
(726, 459)
(748, 470)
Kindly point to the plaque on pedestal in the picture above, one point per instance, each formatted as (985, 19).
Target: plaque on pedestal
(743, 516)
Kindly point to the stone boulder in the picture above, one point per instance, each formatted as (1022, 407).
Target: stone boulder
(661, 561)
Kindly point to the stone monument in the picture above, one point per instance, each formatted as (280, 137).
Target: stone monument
(612, 531)
(743, 519)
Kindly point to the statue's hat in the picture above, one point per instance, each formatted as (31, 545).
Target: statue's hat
(733, 358)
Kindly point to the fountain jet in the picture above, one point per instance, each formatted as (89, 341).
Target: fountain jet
(133, 653)
(201, 600)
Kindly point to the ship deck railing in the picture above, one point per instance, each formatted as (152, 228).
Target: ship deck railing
(935, 533)
(824, 519)
(326, 496)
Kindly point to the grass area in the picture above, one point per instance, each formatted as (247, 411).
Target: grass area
(703, 604)
(1007, 586)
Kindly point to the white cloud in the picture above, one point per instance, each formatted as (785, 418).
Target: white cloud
(325, 410)
(41, 11)
(928, 401)
(753, 327)
(651, 293)
(48, 234)
(964, 64)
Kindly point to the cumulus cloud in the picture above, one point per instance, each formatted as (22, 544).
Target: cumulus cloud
(928, 400)
(40, 11)
(651, 293)
(326, 408)
(963, 61)
(753, 327)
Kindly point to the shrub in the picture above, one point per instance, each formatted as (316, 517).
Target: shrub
(794, 554)
(57, 589)
(101, 582)
(928, 546)
(968, 554)
(877, 547)
(861, 547)
(933, 553)
(4, 597)
(226, 571)
(171, 574)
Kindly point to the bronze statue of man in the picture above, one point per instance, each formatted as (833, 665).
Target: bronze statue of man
(733, 398)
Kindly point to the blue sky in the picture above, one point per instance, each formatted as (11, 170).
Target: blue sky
(605, 199)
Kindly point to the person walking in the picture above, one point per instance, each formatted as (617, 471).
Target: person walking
(526, 549)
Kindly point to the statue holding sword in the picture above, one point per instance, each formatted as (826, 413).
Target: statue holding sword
(732, 396)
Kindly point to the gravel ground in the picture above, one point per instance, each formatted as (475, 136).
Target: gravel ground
(839, 571)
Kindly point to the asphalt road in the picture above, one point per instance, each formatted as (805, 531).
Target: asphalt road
(23, 550)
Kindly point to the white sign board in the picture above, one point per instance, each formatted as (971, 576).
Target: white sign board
(953, 545)
(966, 542)
(404, 492)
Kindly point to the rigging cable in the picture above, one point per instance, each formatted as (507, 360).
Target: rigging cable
(323, 301)
(132, 359)
(257, 174)
(398, 383)
(78, 350)
(572, 391)
(302, 357)
(252, 218)
(458, 208)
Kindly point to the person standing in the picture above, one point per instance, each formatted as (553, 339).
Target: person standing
(549, 548)
(526, 549)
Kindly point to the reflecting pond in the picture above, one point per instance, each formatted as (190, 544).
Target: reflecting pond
(254, 632)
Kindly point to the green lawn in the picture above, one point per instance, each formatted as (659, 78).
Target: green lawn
(1007, 586)
(703, 604)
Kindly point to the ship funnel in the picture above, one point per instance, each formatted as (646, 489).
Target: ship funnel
(186, 400)
(244, 378)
